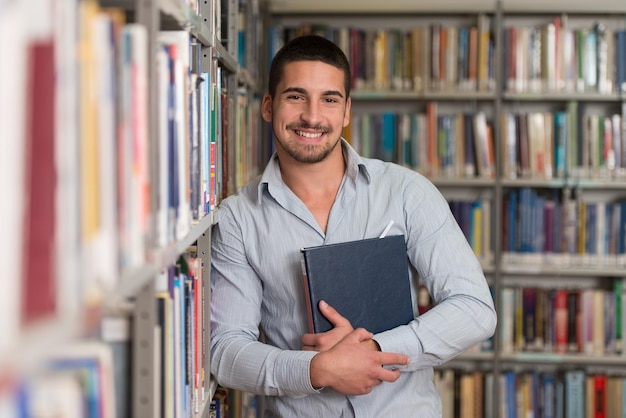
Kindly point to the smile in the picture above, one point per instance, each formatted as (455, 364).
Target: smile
(310, 135)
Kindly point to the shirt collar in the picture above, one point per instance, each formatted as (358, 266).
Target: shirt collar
(355, 165)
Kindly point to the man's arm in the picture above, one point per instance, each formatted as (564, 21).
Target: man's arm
(349, 360)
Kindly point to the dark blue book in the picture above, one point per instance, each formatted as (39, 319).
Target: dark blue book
(621, 60)
(366, 281)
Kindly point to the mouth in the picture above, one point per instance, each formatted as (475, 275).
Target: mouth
(309, 135)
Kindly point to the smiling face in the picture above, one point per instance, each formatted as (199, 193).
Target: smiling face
(309, 110)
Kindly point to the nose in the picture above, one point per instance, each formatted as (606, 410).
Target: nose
(311, 113)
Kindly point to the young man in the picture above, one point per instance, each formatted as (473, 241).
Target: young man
(316, 190)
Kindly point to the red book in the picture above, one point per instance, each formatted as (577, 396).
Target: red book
(39, 290)
(599, 382)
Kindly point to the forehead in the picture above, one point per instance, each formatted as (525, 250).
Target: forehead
(313, 75)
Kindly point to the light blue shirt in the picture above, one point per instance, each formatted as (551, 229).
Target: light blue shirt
(257, 280)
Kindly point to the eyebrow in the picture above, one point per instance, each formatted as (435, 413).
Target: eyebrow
(303, 91)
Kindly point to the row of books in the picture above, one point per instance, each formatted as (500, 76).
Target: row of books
(76, 154)
(556, 57)
(230, 403)
(91, 196)
(566, 393)
(438, 146)
(563, 144)
(570, 393)
(474, 218)
(425, 58)
(80, 379)
(92, 378)
(535, 145)
(180, 339)
(555, 222)
(587, 321)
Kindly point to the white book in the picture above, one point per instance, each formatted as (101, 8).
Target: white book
(59, 395)
(14, 41)
(548, 134)
(105, 260)
(67, 160)
(97, 358)
(180, 39)
(163, 234)
(133, 147)
(507, 309)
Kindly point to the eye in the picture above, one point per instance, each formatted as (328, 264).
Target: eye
(331, 100)
(294, 97)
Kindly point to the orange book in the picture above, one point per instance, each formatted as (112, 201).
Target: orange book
(473, 56)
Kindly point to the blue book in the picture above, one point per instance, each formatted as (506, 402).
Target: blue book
(389, 137)
(575, 394)
(560, 399)
(620, 61)
(511, 394)
(548, 395)
(512, 221)
(560, 143)
(366, 281)
(621, 241)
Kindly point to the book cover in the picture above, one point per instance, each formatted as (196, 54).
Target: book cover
(366, 281)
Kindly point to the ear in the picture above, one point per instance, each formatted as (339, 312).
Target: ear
(266, 108)
(346, 116)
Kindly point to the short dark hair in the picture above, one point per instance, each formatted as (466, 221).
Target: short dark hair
(308, 48)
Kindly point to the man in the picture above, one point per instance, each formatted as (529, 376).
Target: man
(316, 190)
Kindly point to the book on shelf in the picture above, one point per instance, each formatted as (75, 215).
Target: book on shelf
(38, 296)
(366, 281)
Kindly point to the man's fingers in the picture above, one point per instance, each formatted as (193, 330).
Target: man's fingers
(389, 359)
(388, 375)
(332, 315)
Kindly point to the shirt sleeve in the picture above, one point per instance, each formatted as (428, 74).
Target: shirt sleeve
(238, 359)
(463, 313)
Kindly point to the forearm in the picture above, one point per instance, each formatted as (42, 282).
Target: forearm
(445, 331)
(258, 368)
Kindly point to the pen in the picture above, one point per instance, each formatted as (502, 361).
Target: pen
(387, 228)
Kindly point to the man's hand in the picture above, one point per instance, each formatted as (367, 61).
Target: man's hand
(326, 340)
(351, 368)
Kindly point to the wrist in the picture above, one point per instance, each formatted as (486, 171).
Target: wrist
(316, 374)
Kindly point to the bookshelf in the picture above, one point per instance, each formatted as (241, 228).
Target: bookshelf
(126, 124)
(386, 89)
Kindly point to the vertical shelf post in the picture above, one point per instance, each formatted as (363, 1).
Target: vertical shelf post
(498, 193)
(145, 396)
(204, 252)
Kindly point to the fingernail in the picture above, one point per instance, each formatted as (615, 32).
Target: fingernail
(323, 304)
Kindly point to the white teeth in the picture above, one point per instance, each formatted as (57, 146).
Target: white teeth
(309, 135)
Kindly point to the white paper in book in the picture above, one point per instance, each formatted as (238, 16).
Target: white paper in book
(14, 44)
